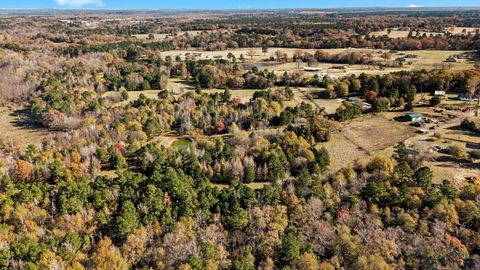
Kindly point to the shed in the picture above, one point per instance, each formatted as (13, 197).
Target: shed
(439, 93)
(312, 69)
(413, 117)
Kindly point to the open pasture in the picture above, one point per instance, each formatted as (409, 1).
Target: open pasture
(14, 129)
(363, 138)
(426, 59)
(462, 30)
(160, 37)
(402, 33)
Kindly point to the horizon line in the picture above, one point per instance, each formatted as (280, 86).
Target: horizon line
(246, 8)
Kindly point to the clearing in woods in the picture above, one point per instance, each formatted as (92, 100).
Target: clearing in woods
(16, 129)
(362, 138)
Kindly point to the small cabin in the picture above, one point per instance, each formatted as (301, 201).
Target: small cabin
(413, 117)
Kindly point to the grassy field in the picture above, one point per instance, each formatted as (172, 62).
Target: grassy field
(443, 165)
(430, 59)
(330, 105)
(401, 33)
(365, 137)
(160, 37)
(256, 53)
(181, 144)
(427, 59)
(14, 130)
(17, 134)
(342, 151)
(254, 186)
(462, 30)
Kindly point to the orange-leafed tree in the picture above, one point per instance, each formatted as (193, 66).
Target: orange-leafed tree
(23, 170)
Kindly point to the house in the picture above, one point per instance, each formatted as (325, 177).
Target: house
(413, 117)
(360, 103)
(196, 54)
(309, 69)
(451, 59)
(439, 93)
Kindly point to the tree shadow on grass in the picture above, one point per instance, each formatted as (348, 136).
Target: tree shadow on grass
(24, 119)
(451, 162)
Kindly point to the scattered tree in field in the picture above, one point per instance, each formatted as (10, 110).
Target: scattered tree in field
(458, 151)
(341, 90)
(435, 101)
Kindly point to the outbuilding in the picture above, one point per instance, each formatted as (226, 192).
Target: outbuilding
(310, 69)
(413, 117)
(439, 93)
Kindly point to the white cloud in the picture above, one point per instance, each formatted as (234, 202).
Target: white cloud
(414, 6)
(79, 3)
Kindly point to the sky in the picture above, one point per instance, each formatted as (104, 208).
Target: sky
(230, 4)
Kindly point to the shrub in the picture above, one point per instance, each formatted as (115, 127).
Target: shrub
(124, 95)
(381, 104)
(435, 101)
(409, 106)
(347, 111)
(438, 135)
(468, 125)
(341, 90)
(458, 150)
